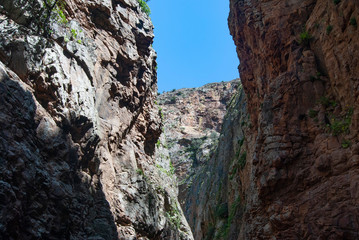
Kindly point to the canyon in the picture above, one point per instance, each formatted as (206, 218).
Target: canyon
(90, 150)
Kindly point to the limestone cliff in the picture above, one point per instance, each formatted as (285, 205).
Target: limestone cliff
(78, 124)
(293, 168)
(192, 120)
(211, 204)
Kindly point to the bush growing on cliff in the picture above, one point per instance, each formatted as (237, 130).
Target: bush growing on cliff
(173, 214)
(145, 8)
(140, 172)
(242, 160)
(312, 113)
(305, 38)
(346, 143)
(329, 29)
(210, 232)
(53, 10)
(160, 112)
(353, 22)
(326, 102)
(340, 124)
(224, 230)
(222, 211)
(173, 100)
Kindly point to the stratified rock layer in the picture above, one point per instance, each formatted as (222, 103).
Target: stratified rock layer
(294, 173)
(78, 125)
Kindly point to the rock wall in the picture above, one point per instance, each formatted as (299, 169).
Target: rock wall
(213, 200)
(299, 69)
(78, 124)
(192, 120)
(288, 168)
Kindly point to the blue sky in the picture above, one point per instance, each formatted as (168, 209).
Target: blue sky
(193, 43)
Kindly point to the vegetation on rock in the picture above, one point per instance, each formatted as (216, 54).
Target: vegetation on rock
(145, 8)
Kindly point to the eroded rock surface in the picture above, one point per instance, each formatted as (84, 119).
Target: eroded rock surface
(192, 120)
(288, 167)
(298, 178)
(78, 125)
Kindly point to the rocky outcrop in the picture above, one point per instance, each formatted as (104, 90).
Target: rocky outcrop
(290, 164)
(300, 77)
(212, 204)
(192, 120)
(78, 124)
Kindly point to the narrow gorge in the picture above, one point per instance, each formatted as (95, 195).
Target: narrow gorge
(90, 150)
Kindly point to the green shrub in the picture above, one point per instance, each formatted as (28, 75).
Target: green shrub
(222, 211)
(240, 142)
(140, 172)
(339, 125)
(327, 103)
(53, 11)
(224, 230)
(160, 111)
(346, 143)
(173, 100)
(316, 77)
(353, 22)
(210, 232)
(61, 18)
(169, 173)
(234, 171)
(234, 208)
(329, 29)
(242, 160)
(305, 38)
(173, 215)
(73, 33)
(145, 8)
(172, 168)
(313, 113)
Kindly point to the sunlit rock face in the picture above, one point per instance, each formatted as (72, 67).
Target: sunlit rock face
(192, 120)
(78, 125)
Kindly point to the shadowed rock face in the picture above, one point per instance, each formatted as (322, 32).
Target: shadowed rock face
(302, 92)
(212, 199)
(287, 169)
(78, 126)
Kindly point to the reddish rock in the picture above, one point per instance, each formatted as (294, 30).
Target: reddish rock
(298, 68)
(78, 125)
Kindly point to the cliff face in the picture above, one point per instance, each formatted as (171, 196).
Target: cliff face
(192, 120)
(287, 168)
(78, 124)
(299, 70)
(213, 204)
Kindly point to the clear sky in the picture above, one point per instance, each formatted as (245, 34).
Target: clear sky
(193, 43)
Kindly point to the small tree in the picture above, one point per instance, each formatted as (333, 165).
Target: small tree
(145, 8)
(53, 9)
